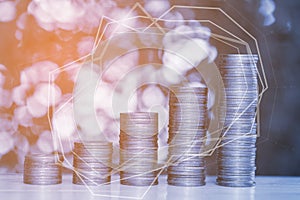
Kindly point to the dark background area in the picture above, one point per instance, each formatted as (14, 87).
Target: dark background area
(278, 147)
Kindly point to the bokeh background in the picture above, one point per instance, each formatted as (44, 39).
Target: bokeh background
(37, 37)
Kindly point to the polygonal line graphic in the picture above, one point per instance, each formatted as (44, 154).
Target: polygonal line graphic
(260, 57)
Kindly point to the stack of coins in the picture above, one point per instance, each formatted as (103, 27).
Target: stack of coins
(187, 129)
(92, 162)
(138, 148)
(236, 156)
(42, 169)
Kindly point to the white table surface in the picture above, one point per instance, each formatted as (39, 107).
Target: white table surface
(12, 187)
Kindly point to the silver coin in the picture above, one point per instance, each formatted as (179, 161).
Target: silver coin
(186, 181)
(91, 162)
(138, 144)
(82, 180)
(236, 156)
(187, 127)
(236, 73)
(139, 182)
(42, 169)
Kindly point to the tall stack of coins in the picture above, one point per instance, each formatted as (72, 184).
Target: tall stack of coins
(42, 169)
(138, 148)
(187, 129)
(236, 156)
(92, 162)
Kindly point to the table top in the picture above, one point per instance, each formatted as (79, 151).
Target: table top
(12, 187)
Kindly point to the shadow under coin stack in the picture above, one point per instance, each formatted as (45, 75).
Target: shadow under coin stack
(92, 162)
(236, 156)
(138, 148)
(42, 169)
(187, 129)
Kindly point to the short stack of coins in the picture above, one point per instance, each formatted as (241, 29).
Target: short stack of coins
(237, 152)
(42, 169)
(92, 162)
(138, 148)
(187, 130)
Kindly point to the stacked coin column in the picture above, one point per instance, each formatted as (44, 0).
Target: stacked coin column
(236, 156)
(187, 129)
(42, 169)
(138, 148)
(92, 162)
